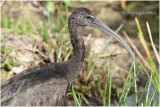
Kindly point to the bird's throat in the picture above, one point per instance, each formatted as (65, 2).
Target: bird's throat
(76, 61)
(78, 43)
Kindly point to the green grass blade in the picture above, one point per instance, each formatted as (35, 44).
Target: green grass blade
(155, 85)
(124, 87)
(149, 86)
(156, 103)
(110, 82)
(75, 97)
(80, 102)
(151, 97)
(143, 93)
(135, 83)
(130, 85)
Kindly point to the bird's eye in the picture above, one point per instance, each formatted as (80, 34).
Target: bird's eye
(91, 18)
(88, 17)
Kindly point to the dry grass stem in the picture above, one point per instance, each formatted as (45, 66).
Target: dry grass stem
(123, 4)
(138, 53)
(2, 2)
(85, 100)
(152, 43)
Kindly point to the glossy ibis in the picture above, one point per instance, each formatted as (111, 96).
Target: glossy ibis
(47, 84)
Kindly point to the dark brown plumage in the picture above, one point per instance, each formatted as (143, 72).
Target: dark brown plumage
(47, 84)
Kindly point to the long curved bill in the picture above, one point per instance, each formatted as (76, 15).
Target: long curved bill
(98, 24)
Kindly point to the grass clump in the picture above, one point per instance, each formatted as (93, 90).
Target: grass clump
(17, 27)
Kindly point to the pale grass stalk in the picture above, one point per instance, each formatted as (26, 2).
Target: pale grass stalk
(142, 39)
(85, 100)
(2, 2)
(152, 43)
